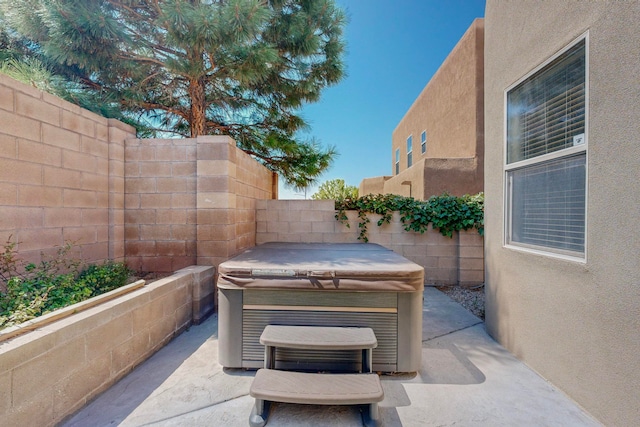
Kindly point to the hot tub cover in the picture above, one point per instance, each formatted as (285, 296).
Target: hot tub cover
(315, 266)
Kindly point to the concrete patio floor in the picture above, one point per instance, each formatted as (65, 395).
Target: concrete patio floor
(466, 379)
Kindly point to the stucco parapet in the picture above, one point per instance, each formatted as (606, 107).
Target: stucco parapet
(448, 163)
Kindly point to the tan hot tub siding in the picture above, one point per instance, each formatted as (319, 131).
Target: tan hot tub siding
(577, 324)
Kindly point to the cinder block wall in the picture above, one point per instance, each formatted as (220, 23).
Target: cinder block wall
(160, 204)
(61, 175)
(68, 175)
(229, 182)
(457, 260)
(190, 201)
(48, 374)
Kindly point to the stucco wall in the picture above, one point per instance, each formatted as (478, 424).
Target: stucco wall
(451, 111)
(61, 175)
(433, 177)
(575, 323)
(373, 185)
(449, 108)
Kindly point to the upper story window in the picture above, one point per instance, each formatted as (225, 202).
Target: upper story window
(409, 151)
(423, 141)
(546, 153)
(397, 163)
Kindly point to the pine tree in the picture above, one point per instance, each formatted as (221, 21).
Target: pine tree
(242, 68)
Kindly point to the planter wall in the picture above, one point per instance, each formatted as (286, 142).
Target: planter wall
(51, 372)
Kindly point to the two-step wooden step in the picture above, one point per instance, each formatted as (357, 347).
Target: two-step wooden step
(318, 338)
(313, 388)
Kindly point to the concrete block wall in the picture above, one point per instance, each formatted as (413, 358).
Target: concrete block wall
(252, 184)
(471, 257)
(48, 374)
(229, 182)
(61, 175)
(160, 204)
(68, 175)
(458, 260)
(190, 201)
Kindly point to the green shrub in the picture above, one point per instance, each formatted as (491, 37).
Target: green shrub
(28, 291)
(445, 213)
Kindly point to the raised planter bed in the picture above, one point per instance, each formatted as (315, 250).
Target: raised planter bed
(65, 359)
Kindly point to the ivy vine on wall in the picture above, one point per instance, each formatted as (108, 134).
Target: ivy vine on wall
(445, 213)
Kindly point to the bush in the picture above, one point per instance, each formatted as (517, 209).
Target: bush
(28, 291)
(445, 213)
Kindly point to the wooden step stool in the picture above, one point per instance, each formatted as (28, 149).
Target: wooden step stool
(313, 388)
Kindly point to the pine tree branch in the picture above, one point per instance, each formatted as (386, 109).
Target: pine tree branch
(136, 58)
(121, 5)
(267, 159)
(156, 106)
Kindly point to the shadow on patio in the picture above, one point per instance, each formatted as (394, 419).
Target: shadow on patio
(465, 379)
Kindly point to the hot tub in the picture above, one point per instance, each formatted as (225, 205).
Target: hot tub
(317, 284)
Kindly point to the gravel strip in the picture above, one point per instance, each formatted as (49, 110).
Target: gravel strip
(470, 297)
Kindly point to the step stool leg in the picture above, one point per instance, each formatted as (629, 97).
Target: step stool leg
(269, 357)
(371, 415)
(259, 413)
(367, 360)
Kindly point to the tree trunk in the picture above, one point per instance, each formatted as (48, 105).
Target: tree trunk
(198, 107)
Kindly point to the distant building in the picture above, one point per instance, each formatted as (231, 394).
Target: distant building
(438, 146)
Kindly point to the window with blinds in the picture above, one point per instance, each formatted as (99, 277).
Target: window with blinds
(548, 203)
(546, 156)
(546, 112)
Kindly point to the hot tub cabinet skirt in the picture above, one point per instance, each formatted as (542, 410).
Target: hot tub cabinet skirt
(360, 285)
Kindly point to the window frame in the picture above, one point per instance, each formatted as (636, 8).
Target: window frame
(423, 142)
(397, 162)
(410, 151)
(566, 153)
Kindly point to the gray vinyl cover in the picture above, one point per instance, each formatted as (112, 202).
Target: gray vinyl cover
(315, 266)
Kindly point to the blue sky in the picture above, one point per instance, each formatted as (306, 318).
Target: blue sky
(393, 49)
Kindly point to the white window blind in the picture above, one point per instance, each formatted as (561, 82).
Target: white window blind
(546, 111)
(546, 195)
(548, 204)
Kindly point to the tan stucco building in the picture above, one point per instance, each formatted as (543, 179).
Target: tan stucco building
(438, 145)
(562, 186)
